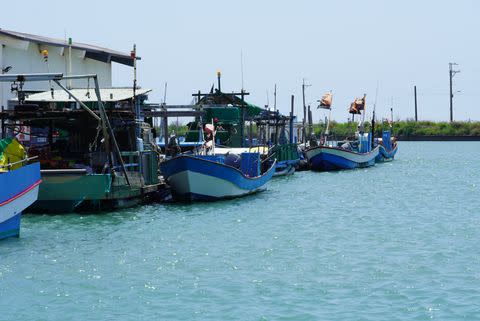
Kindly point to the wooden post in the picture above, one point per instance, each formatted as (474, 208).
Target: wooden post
(415, 94)
(291, 119)
(310, 122)
(165, 129)
(304, 132)
(242, 124)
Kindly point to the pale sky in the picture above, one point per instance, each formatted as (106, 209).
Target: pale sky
(344, 46)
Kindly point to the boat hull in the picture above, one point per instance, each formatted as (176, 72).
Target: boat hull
(324, 158)
(196, 179)
(18, 190)
(384, 155)
(64, 192)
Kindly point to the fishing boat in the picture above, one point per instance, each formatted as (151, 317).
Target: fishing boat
(19, 183)
(209, 176)
(230, 114)
(214, 177)
(345, 154)
(387, 147)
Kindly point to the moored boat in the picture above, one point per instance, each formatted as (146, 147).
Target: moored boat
(346, 156)
(19, 183)
(214, 177)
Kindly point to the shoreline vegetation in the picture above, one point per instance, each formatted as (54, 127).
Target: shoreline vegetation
(403, 130)
(410, 129)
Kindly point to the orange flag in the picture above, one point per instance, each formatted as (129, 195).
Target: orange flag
(326, 101)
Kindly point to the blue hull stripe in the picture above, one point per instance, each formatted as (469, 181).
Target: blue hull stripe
(184, 162)
(327, 162)
(16, 181)
(12, 185)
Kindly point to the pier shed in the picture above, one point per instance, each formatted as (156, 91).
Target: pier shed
(22, 53)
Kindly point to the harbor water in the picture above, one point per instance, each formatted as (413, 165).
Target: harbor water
(396, 241)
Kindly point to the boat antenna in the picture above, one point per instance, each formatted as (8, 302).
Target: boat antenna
(376, 96)
(275, 99)
(241, 65)
(327, 130)
(364, 112)
(375, 104)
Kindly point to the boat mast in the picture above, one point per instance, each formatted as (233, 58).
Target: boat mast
(363, 115)
(213, 137)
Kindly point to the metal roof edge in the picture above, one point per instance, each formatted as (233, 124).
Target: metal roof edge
(98, 53)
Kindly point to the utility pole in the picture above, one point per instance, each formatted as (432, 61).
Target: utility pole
(415, 95)
(304, 131)
(451, 73)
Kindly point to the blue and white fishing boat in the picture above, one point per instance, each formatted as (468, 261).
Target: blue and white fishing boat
(346, 155)
(387, 147)
(18, 186)
(214, 177)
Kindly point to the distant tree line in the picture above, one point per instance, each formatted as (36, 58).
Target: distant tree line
(400, 128)
(407, 128)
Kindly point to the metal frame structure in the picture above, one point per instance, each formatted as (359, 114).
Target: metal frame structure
(103, 119)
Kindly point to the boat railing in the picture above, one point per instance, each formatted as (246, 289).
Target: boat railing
(25, 160)
(269, 158)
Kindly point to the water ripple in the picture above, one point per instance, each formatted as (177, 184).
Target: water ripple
(397, 241)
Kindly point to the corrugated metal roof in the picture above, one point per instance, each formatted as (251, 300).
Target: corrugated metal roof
(92, 51)
(107, 94)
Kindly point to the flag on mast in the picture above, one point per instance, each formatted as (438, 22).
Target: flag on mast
(326, 101)
(357, 106)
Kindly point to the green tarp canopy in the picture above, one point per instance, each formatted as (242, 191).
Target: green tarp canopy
(253, 110)
(219, 98)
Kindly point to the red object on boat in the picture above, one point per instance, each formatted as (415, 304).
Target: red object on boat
(209, 128)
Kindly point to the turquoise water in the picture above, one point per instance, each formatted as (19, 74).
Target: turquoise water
(399, 241)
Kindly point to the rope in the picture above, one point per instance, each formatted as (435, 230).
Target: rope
(93, 146)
